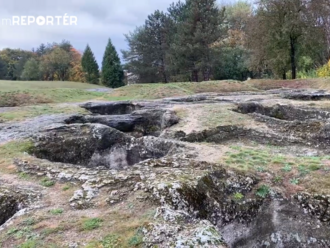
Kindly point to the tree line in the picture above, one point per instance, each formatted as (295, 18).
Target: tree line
(199, 40)
(195, 40)
(61, 61)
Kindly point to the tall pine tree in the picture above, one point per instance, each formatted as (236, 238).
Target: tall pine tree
(200, 28)
(112, 71)
(3, 69)
(90, 66)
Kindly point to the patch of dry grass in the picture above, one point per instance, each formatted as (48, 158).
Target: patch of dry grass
(221, 115)
(267, 84)
(156, 91)
(8, 86)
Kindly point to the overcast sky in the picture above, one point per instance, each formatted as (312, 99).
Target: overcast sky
(97, 20)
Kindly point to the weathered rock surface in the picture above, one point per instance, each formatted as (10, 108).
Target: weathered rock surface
(111, 108)
(140, 122)
(98, 145)
(307, 95)
(223, 134)
(22, 130)
(198, 205)
(14, 199)
(9, 204)
(279, 223)
(308, 127)
(283, 112)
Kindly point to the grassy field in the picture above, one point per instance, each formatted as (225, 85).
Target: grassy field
(23, 112)
(24, 93)
(156, 91)
(6, 86)
(267, 84)
(288, 171)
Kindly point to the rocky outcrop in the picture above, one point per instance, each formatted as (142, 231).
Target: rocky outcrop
(200, 204)
(9, 204)
(307, 95)
(229, 202)
(193, 98)
(111, 108)
(98, 145)
(309, 127)
(211, 197)
(194, 234)
(114, 151)
(316, 205)
(280, 223)
(139, 123)
(223, 134)
(13, 200)
(283, 112)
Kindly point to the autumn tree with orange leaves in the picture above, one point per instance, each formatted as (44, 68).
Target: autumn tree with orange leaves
(76, 73)
(51, 62)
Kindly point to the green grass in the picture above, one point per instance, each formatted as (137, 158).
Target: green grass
(66, 187)
(222, 115)
(42, 96)
(46, 182)
(12, 150)
(29, 244)
(110, 241)
(24, 112)
(253, 159)
(263, 191)
(19, 93)
(6, 86)
(156, 91)
(22, 93)
(91, 224)
(136, 240)
(29, 221)
(305, 171)
(238, 196)
(56, 211)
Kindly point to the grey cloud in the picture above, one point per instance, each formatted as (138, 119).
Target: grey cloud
(98, 20)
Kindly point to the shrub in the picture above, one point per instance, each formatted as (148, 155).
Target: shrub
(324, 71)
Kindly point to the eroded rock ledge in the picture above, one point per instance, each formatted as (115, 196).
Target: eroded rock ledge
(198, 205)
(14, 199)
(139, 123)
(98, 145)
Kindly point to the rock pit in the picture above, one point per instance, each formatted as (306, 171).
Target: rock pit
(127, 148)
